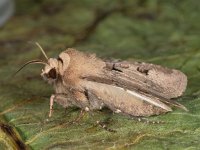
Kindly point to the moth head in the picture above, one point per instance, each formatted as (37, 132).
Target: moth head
(50, 71)
(53, 68)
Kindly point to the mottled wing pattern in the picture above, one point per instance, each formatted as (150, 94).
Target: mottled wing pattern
(168, 83)
(149, 78)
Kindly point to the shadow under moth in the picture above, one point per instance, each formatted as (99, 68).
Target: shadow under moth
(130, 88)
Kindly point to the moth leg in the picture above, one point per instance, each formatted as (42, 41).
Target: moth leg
(104, 126)
(94, 101)
(81, 100)
(52, 98)
(80, 116)
(60, 98)
(147, 121)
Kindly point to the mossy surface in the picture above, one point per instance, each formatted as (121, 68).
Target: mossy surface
(161, 32)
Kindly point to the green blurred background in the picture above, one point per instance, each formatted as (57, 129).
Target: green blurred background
(156, 31)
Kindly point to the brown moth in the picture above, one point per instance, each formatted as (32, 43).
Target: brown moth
(130, 88)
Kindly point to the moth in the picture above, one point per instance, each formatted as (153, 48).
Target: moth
(130, 88)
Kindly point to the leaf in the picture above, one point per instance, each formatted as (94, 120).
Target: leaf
(161, 32)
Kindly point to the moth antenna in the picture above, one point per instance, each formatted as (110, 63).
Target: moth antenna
(30, 62)
(43, 52)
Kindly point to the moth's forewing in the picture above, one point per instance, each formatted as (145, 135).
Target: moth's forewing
(162, 81)
(125, 101)
(149, 78)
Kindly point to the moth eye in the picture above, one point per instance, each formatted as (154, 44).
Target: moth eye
(52, 73)
(60, 59)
